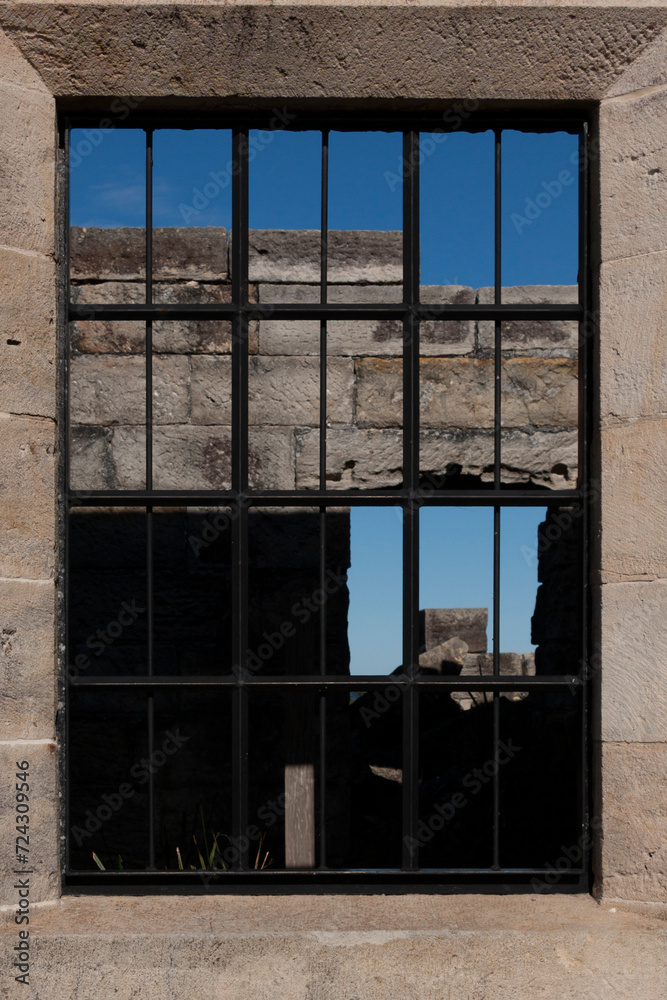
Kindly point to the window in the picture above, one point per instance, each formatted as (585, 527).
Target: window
(326, 429)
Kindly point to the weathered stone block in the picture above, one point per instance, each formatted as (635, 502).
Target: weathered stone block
(27, 346)
(539, 338)
(458, 392)
(196, 253)
(287, 391)
(27, 660)
(286, 255)
(548, 458)
(90, 463)
(447, 657)
(27, 168)
(633, 175)
(110, 390)
(364, 337)
(633, 364)
(355, 458)
(634, 511)
(437, 625)
(271, 461)
(211, 390)
(27, 489)
(194, 336)
(44, 809)
(634, 662)
(187, 457)
(634, 818)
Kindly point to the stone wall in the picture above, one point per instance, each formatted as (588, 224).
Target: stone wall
(192, 373)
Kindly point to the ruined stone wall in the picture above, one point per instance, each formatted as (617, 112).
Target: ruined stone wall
(192, 381)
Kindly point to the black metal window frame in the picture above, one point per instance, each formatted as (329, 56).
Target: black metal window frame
(411, 497)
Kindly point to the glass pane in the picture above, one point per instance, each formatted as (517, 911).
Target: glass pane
(455, 787)
(375, 586)
(192, 214)
(540, 207)
(456, 213)
(107, 405)
(108, 213)
(108, 780)
(107, 626)
(192, 591)
(540, 782)
(191, 764)
(191, 411)
(455, 587)
(284, 205)
(284, 596)
(540, 405)
(366, 209)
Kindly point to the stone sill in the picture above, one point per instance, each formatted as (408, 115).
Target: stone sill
(329, 919)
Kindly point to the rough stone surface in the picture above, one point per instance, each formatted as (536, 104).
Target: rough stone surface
(458, 393)
(371, 947)
(365, 337)
(634, 812)
(27, 515)
(111, 391)
(211, 390)
(27, 123)
(633, 163)
(27, 345)
(27, 660)
(548, 338)
(438, 625)
(294, 255)
(287, 391)
(197, 253)
(449, 655)
(44, 817)
(648, 70)
(633, 364)
(200, 51)
(634, 662)
(634, 508)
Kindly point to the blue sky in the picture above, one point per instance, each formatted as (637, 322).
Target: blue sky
(192, 186)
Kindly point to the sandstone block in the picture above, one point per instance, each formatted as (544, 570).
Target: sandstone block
(27, 660)
(438, 625)
(634, 662)
(27, 497)
(287, 391)
(447, 657)
(543, 338)
(634, 821)
(364, 337)
(44, 810)
(271, 462)
(187, 457)
(634, 512)
(110, 390)
(195, 253)
(633, 359)
(458, 393)
(633, 175)
(28, 343)
(90, 463)
(548, 458)
(356, 457)
(284, 255)
(211, 390)
(27, 126)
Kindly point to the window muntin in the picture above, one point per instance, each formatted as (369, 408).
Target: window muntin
(267, 542)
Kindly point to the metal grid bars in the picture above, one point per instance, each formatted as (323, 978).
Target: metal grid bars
(240, 684)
